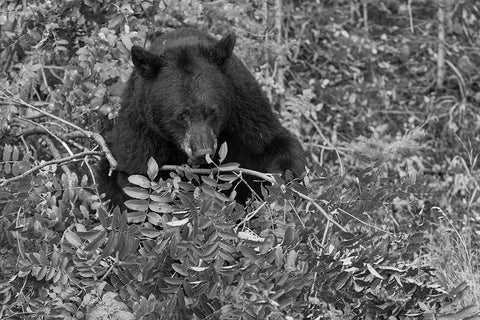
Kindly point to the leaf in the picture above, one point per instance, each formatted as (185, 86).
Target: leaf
(178, 223)
(178, 268)
(248, 253)
(229, 166)
(97, 242)
(209, 181)
(459, 289)
(102, 216)
(136, 193)
(42, 272)
(7, 150)
(290, 236)
(110, 245)
(15, 154)
(227, 235)
(291, 261)
(72, 238)
(127, 43)
(35, 67)
(199, 269)
(374, 272)
(227, 177)
(157, 198)
(222, 153)
(111, 307)
(51, 273)
(152, 167)
(150, 232)
(173, 281)
(208, 159)
(139, 180)
(210, 252)
(278, 256)
(136, 216)
(154, 218)
(137, 205)
(250, 235)
(160, 207)
(16, 168)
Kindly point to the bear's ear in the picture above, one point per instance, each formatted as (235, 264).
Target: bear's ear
(146, 63)
(223, 48)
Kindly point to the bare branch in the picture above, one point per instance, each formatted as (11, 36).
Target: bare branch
(319, 208)
(89, 134)
(4, 182)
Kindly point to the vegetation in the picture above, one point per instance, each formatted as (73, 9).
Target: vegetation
(384, 96)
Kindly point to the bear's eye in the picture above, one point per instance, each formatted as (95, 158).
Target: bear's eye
(210, 112)
(182, 116)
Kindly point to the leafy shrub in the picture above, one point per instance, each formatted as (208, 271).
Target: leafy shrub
(347, 241)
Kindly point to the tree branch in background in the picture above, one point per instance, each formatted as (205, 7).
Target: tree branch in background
(12, 100)
(441, 45)
(365, 16)
(48, 163)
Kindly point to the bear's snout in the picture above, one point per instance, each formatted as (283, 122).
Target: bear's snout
(199, 141)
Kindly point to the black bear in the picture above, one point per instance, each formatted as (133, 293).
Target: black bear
(186, 96)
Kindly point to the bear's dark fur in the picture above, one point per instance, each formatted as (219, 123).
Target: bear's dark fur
(186, 96)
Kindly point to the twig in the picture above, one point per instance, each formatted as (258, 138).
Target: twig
(319, 208)
(365, 16)
(441, 45)
(364, 223)
(56, 155)
(47, 163)
(265, 176)
(296, 212)
(461, 81)
(89, 134)
(410, 17)
(249, 216)
(20, 102)
(50, 133)
(315, 125)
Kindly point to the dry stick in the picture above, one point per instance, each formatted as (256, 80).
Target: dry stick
(89, 134)
(364, 223)
(461, 81)
(410, 17)
(365, 16)
(56, 155)
(441, 45)
(319, 208)
(315, 125)
(18, 101)
(63, 143)
(278, 26)
(47, 163)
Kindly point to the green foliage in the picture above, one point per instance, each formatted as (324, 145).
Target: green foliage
(392, 190)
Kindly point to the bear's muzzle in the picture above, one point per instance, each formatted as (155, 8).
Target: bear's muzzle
(199, 141)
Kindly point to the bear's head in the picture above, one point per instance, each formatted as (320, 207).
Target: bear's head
(187, 95)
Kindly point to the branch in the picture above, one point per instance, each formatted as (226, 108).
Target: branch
(4, 182)
(264, 176)
(89, 134)
(22, 103)
(319, 208)
(65, 168)
(441, 45)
